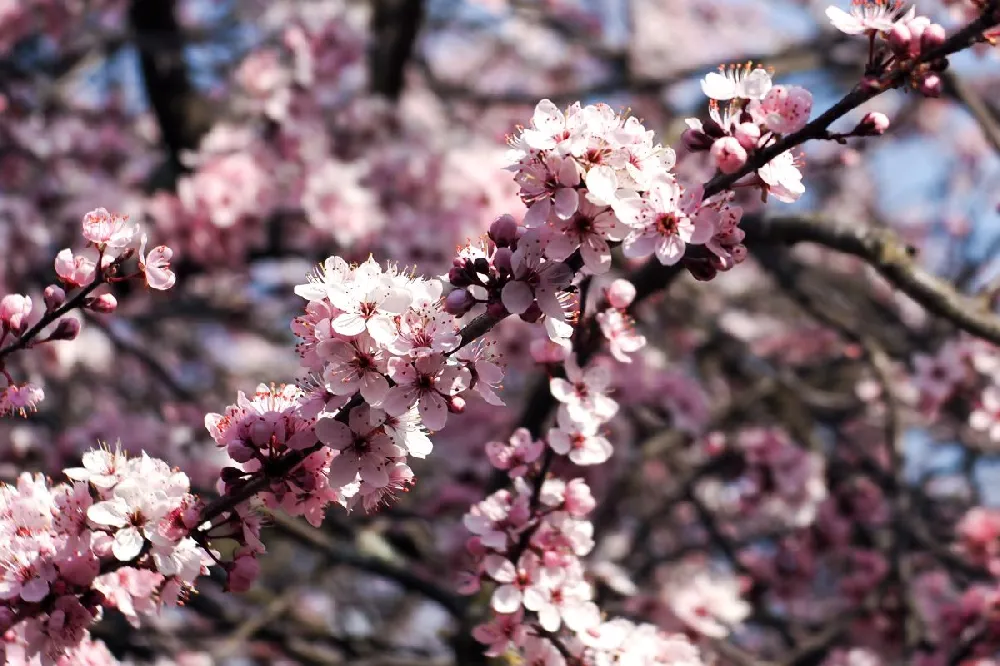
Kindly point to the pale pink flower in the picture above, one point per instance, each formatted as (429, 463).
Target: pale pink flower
(783, 178)
(583, 393)
(132, 514)
(664, 221)
(785, 109)
(708, 602)
(428, 381)
(578, 440)
(77, 270)
(20, 398)
(372, 295)
(737, 82)
(589, 229)
(502, 631)
(619, 330)
(867, 16)
(156, 266)
(516, 454)
(113, 234)
(14, 311)
(537, 280)
(101, 467)
(355, 364)
(405, 430)
(364, 449)
(486, 373)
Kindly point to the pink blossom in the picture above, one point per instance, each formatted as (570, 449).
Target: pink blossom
(364, 449)
(664, 221)
(583, 393)
(578, 440)
(20, 398)
(785, 109)
(112, 234)
(77, 270)
(14, 311)
(783, 178)
(427, 381)
(156, 266)
(866, 16)
(515, 455)
(736, 82)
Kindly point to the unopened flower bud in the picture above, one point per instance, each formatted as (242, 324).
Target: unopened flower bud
(458, 302)
(899, 38)
(496, 310)
(696, 140)
(54, 296)
(67, 329)
(620, 294)
(917, 28)
(748, 134)
(458, 277)
(930, 85)
(104, 303)
(873, 124)
(503, 231)
(456, 405)
(933, 37)
(728, 154)
(14, 311)
(501, 260)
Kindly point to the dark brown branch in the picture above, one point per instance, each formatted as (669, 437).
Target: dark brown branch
(183, 115)
(884, 251)
(394, 25)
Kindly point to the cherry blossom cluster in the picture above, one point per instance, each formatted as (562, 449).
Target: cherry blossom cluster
(591, 178)
(963, 376)
(111, 240)
(529, 541)
(907, 37)
(755, 115)
(509, 272)
(115, 535)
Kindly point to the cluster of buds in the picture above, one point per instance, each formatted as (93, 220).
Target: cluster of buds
(909, 40)
(756, 113)
(111, 241)
(509, 273)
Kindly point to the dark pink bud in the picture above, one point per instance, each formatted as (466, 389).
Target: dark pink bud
(873, 124)
(105, 303)
(458, 302)
(66, 329)
(621, 293)
(501, 259)
(503, 231)
(496, 310)
(933, 37)
(899, 38)
(456, 405)
(930, 85)
(696, 140)
(54, 296)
